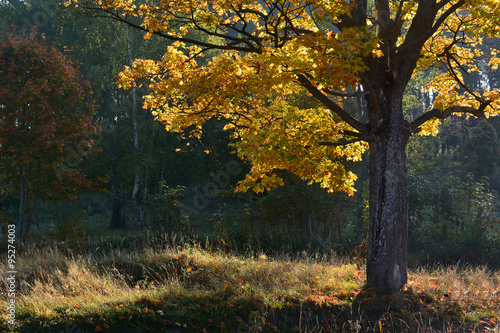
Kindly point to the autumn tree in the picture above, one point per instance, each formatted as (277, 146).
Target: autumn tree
(46, 127)
(271, 52)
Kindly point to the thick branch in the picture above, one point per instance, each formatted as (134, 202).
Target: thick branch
(419, 33)
(338, 143)
(439, 114)
(343, 142)
(331, 104)
(352, 133)
(339, 94)
(421, 25)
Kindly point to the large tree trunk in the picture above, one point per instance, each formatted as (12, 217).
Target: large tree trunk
(387, 240)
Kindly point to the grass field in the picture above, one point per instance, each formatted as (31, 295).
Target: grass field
(162, 285)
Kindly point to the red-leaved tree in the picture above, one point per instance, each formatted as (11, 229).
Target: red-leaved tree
(46, 127)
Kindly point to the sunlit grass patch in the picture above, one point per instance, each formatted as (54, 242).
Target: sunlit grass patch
(191, 289)
(468, 294)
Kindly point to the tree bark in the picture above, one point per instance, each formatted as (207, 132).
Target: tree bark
(388, 213)
(27, 204)
(24, 214)
(137, 179)
(118, 215)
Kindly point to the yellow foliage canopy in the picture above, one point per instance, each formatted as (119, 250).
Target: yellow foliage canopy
(270, 52)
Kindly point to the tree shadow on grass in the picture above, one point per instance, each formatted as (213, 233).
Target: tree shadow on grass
(183, 312)
(224, 311)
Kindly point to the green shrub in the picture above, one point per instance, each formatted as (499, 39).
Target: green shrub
(235, 228)
(165, 212)
(67, 228)
(456, 223)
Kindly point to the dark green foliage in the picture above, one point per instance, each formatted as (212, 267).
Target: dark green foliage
(66, 224)
(291, 218)
(452, 206)
(236, 229)
(455, 222)
(165, 214)
(480, 150)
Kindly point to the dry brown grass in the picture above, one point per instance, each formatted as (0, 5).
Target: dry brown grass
(195, 290)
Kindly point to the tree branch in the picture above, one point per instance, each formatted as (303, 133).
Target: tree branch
(343, 142)
(339, 94)
(232, 45)
(331, 104)
(439, 114)
(445, 16)
(338, 143)
(352, 133)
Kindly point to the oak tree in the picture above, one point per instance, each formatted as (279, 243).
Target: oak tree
(271, 53)
(46, 127)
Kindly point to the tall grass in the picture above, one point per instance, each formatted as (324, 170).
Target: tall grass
(184, 287)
